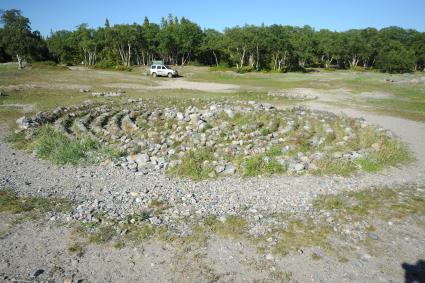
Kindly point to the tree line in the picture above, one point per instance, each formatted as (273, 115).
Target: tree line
(180, 41)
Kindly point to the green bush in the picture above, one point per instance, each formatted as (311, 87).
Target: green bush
(244, 70)
(396, 59)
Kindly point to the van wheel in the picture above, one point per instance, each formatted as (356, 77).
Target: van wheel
(170, 75)
(154, 75)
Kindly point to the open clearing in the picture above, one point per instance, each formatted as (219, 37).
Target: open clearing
(206, 187)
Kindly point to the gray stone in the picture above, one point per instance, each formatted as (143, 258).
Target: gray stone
(37, 272)
(229, 170)
(298, 166)
(372, 235)
(269, 257)
(337, 155)
(229, 113)
(317, 252)
(220, 168)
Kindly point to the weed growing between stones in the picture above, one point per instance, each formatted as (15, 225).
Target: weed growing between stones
(195, 164)
(348, 216)
(385, 203)
(216, 139)
(31, 206)
(49, 143)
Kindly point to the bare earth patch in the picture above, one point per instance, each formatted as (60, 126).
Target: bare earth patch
(201, 86)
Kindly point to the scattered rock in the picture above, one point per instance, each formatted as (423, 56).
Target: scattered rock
(372, 235)
(318, 253)
(157, 138)
(230, 169)
(297, 94)
(220, 168)
(269, 257)
(37, 273)
(107, 94)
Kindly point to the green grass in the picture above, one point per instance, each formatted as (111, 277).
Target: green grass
(289, 232)
(231, 227)
(262, 164)
(391, 153)
(386, 203)
(59, 86)
(50, 144)
(300, 234)
(293, 233)
(18, 140)
(32, 206)
(76, 248)
(335, 167)
(103, 234)
(194, 165)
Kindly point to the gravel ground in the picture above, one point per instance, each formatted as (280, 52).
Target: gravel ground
(119, 192)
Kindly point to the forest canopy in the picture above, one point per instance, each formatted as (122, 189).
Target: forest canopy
(177, 41)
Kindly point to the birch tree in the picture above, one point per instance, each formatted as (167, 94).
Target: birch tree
(16, 36)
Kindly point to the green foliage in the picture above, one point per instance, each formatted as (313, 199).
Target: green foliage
(395, 58)
(18, 41)
(51, 144)
(195, 164)
(247, 48)
(262, 164)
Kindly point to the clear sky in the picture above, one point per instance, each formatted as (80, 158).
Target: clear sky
(47, 15)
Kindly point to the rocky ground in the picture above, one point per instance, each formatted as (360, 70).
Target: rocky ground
(246, 223)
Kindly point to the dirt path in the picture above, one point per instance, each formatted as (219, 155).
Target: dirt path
(201, 86)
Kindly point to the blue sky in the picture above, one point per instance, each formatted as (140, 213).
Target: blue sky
(46, 15)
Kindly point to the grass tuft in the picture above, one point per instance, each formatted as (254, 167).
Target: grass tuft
(232, 227)
(385, 203)
(18, 140)
(194, 165)
(262, 165)
(50, 144)
(12, 203)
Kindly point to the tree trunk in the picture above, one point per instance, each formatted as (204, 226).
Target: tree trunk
(242, 57)
(275, 61)
(19, 58)
(257, 65)
(215, 57)
(128, 61)
(328, 62)
(185, 60)
(353, 62)
(251, 60)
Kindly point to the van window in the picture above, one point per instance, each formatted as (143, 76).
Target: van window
(164, 68)
(153, 67)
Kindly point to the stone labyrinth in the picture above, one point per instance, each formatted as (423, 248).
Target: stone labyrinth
(219, 138)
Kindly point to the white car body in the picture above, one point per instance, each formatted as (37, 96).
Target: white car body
(162, 70)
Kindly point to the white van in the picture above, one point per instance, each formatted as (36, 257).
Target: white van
(162, 70)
